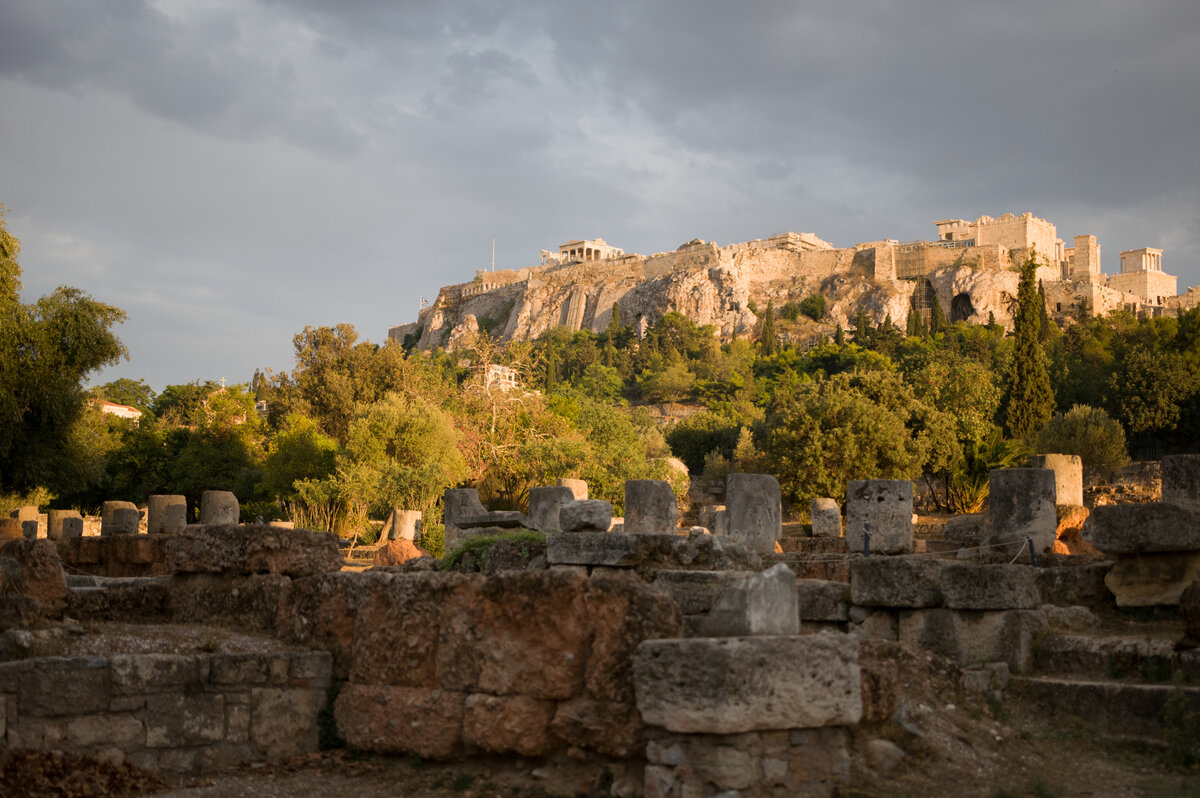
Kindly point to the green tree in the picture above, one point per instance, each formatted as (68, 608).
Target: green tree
(47, 349)
(813, 307)
(790, 311)
(1028, 399)
(1088, 432)
(1150, 388)
(125, 391)
(768, 339)
(298, 451)
(937, 317)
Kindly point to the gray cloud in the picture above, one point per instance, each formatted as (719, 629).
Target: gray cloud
(229, 172)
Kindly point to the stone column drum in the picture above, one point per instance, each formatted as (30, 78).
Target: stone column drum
(545, 505)
(406, 524)
(885, 507)
(650, 507)
(1068, 476)
(55, 520)
(578, 487)
(754, 510)
(107, 515)
(166, 514)
(1021, 502)
(219, 508)
(126, 521)
(826, 518)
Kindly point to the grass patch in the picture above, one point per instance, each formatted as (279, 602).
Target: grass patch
(480, 546)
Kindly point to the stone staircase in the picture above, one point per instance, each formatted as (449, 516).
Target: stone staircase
(1128, 684)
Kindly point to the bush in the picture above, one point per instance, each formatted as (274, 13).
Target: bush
(813, 307)
(1088, 432)
(790, 311)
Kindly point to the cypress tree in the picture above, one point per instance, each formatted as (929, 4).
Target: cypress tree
(862, 329)
(937, 318)
(915, 326)
(1044, 330)
(839, 336)
(1028, 398)
(768, 343)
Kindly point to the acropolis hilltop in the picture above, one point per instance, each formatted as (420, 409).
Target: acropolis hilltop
(970, 268)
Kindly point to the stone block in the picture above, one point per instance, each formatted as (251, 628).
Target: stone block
(57, 686)
(1022, 506)
(970, 586)
(1181, 480)
(508, 724)
(399, 720)
(1068, 476)
(826, 518)
(29, 530)
(882, 507)
(694, 591)
(515, 633)
(822, 600)
(177, 719)
(283, 721)
(730, 684)
(1147, 580)
(55, 520)
(403, 525)
(72, 528)
(912, 581)
(133, 674)
(10, 529)
(714, 518)
(219, 508)
(759, 604)
(166, 514)
(108, 514)
(754, 511)
(579, 488)
(650, 507)
(583, 515)
(1071, 585)
(1138, 528)
(966, 531)
(968, 636)
(122, 731)
(396, 627)
(252, 550)
(610, 728)
(544, 506)
(28, 512)
(125, 521)
(649, 552)
(42, 578)
(459, 503)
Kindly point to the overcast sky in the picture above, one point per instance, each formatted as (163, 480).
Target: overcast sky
(229, 172)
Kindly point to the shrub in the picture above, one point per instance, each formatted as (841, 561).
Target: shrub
(813, 307)
(790, 311)
(1088, 432)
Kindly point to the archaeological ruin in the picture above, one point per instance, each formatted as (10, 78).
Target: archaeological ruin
(970, 268)
(737, 655)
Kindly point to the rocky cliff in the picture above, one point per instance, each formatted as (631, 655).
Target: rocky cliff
(711, 285)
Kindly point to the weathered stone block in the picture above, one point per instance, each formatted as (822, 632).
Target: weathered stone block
(714, 518)
(826, 518)
(883, 508)
(42, 578)
(611, 728)
(1137, 528)
(895, 582)
(617, 549)
(166, 514)
(1022, 506)
(396, 628)
(515, 633)
(1147, 580)
(752, 504)
(283, 721)
(821, 600)
(1181, 480)
(1074, 585)
(56, 686)
(650, 507)
(252, 550)
(579, 488)
(29, 530)
(759, 604)
(583, 515)
(176, 719)
(694, 591)
(219, 508)
(10, 529)
(55, 520)
(397, 720)
(969, 586)
(967, 636)
(508, 724)
(728, 685)
(966, 531)
(108, 514)
(125, 521)
(125, 732)
(544, 506)
(459, 503)
(131, 674)
(1068, 476)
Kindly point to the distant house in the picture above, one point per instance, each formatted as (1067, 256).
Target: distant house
(121, 411)
(500, 377)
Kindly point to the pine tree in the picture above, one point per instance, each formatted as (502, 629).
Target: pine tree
(937, 318)
(768, 342)
(839, 336)
(1028, 399)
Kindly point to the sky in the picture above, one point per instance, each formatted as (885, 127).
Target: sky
(231, 171)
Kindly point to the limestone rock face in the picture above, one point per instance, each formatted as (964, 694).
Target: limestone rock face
(252, 550)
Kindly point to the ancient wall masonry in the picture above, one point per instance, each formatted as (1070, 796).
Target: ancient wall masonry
(173, 712)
